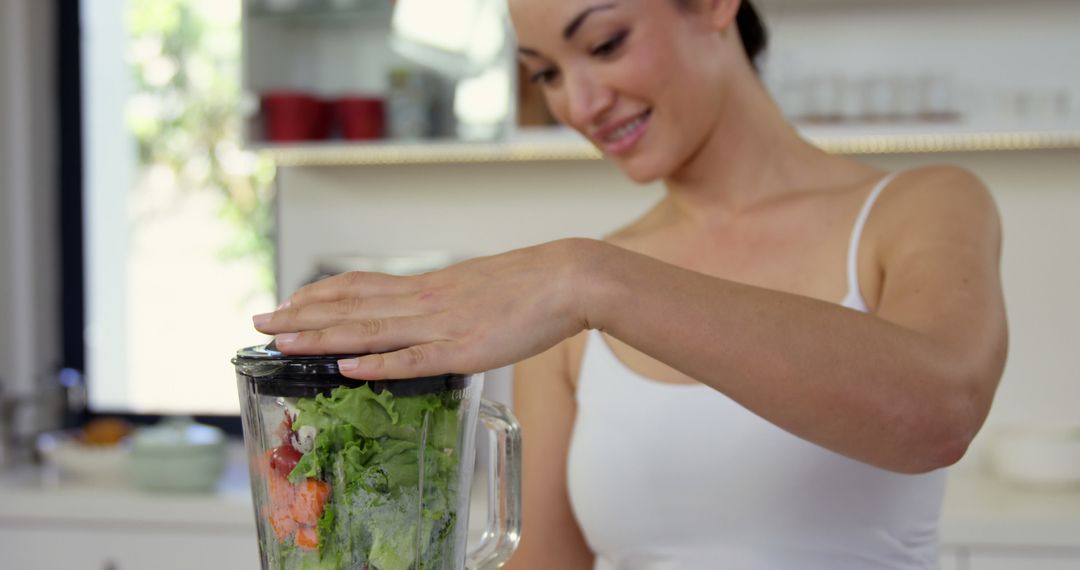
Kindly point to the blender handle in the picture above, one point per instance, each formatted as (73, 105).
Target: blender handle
(503, 529)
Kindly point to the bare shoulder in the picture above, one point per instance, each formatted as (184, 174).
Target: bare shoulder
(935, 199)
(931, 188)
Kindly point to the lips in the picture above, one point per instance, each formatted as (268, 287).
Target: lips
(619, 137)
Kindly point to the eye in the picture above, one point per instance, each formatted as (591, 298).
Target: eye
(543, 77)
(612, 45)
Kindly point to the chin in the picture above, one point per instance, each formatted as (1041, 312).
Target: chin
(642, 170)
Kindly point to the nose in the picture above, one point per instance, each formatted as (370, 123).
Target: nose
(588, 100)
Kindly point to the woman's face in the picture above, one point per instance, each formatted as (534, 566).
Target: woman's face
(641, 79)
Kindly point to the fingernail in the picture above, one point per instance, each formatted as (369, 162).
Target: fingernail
(347, 364)
(285, 305)
(286, 338)
(262, 319)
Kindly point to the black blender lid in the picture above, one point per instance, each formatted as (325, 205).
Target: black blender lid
(281, 374)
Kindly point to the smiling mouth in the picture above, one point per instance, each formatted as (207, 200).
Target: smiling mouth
(628, 129)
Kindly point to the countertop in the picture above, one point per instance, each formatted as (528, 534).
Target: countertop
(983, 510)
(978, 509)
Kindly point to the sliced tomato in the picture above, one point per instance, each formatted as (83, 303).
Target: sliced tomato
(283, 459)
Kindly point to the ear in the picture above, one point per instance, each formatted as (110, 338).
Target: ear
(723, 13)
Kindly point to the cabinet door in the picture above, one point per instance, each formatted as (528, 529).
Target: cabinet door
(949, 559)
(1033, 560)
(46, 548)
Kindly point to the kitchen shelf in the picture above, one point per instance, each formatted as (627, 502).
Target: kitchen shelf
(767, 5)
(376, 13)
(567, 146)
(930, 141)
(433, 152)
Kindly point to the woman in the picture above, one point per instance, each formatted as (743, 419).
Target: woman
(768, 369)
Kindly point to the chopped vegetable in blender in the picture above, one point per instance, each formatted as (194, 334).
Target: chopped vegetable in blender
(376, 484)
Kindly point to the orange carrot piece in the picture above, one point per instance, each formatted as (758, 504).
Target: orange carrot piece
(282, 523)
(280, 496)
(307, 538)
(282, 493)
(309, 501)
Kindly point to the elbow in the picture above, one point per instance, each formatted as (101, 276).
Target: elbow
(946, 435)
(944, 449)
(945, 431)
(947, 452)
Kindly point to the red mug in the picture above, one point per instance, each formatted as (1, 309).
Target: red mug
(294, 116)
(361, 117)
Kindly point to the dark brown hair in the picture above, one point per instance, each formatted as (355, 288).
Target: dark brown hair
(751, 31)
(751, 28)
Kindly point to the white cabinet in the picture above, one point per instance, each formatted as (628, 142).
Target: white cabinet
(49, 526)
(986, 525)
(126, 548)
(994, 557)
(950, 559)
(991, 525)
(1028, 560)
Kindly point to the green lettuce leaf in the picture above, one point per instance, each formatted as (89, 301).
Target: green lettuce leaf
(371, 414)
(368, 447)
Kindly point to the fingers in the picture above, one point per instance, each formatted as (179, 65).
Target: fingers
(416, 361)
(360, 337)
(334, 313)
(351, 284)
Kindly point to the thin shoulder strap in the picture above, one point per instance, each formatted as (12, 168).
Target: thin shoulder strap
(856, 236)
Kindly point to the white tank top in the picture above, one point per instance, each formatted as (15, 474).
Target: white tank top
(680, 477)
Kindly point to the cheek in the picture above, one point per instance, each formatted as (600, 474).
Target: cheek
(661, 76)
(644, 75)
(557, 104)
(689, 89)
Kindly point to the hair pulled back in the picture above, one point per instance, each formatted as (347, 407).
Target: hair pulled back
(751, 28)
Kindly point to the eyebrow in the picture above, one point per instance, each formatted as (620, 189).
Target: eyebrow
(571, 28)
(574, 24)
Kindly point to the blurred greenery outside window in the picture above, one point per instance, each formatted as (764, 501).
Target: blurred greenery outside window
(197, 250)
(185, 58)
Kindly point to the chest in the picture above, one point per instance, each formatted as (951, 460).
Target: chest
(797, 251)
(802, 251)
(655, 470)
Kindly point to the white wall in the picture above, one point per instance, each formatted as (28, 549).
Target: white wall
(466, 210)
(484, 208)
(989, 51)
(28, 217)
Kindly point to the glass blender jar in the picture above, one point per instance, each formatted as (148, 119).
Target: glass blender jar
(372, 475)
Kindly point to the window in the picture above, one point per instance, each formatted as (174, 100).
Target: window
(178, 247)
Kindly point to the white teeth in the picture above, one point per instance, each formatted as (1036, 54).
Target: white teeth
(625, 129)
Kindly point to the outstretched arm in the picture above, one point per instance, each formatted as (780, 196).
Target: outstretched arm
(904, 389)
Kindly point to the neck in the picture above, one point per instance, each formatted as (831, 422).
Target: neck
(760, 154)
